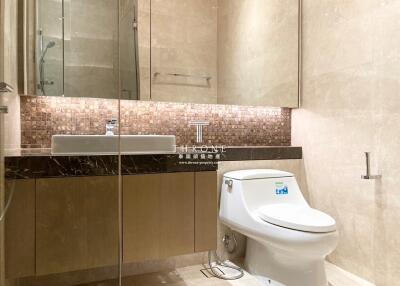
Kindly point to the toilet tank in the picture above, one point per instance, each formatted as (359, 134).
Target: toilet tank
(255, 188)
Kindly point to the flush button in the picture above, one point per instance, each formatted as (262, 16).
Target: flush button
(229, 183)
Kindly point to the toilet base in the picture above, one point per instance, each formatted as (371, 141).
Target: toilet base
(288, 269)
(267, 281)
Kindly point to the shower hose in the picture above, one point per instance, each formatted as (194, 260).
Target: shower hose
(221, 263)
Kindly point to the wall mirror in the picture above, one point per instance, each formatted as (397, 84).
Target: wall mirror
(243, 52)
(78, 48)
(225, 51)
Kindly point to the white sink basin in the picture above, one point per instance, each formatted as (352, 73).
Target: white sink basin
(105, 144)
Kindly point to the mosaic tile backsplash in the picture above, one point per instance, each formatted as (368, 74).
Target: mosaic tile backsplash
(42, 117)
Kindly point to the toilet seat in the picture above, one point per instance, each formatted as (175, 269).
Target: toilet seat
(297, 217)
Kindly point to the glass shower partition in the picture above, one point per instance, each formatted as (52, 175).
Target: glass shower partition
(63, 224)
(3, 111)
(64, 220)
(128, 49)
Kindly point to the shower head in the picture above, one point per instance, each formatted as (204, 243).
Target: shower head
(50, 45)
(4, 87)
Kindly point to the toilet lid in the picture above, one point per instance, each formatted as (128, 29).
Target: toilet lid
(301, 218)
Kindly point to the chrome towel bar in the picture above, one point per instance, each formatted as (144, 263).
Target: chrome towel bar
(182, 75)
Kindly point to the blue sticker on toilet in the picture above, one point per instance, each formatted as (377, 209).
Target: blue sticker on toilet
(281, 188)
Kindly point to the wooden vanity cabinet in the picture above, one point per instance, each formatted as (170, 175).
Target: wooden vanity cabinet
(57, 225)
(168, 214)
(206, 211)
(76, 223)
(20, 229)
(158, 216)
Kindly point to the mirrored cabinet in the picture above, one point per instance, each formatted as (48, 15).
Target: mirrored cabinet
(79, 48)
(243, 52)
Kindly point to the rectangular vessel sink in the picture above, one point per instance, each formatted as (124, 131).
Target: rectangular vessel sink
(106, 144)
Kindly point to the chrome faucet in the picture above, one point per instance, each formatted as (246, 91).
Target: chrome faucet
(110, 125)
(199, 129)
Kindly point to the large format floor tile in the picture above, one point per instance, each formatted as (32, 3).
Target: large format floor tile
(192, 276)
(340, 277)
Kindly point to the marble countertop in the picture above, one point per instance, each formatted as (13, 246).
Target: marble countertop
(40, 163)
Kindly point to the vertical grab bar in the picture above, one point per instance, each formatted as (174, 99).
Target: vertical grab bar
(368, 175)
(367, 162)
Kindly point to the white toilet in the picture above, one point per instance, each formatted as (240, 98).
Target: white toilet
(287, 240)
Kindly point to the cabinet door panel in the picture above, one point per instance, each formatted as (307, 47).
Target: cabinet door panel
(177, 210)
(158, 216)
(141, 217)
(20, 229)
(206, 211)
(101, 211)
(76, 223)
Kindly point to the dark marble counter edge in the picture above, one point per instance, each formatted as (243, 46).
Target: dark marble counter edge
(262, 153)
(49, 166)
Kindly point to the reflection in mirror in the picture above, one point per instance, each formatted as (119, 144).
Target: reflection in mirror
(83, 48)
(45, 46)
(91, 48)
(242, 52)
(184, 60)
(128, 50)
(258, 52)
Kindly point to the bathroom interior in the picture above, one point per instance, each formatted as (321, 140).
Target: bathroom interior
(199, 142)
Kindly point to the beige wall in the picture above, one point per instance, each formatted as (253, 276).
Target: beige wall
(258, 52)
(351, 104)
(8, 60)
(2, 37)
(144, 48)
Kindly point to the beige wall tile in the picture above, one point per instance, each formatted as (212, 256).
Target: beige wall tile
(350, 104)
(144, 48)
(258, 52)
(184, 41)
(8, 61)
